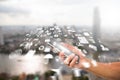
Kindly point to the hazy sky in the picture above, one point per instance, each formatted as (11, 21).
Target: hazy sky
(72, 12)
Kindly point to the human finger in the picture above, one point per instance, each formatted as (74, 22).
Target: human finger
(61, 55)
(74, 49)
(73, 62)
(69, 59)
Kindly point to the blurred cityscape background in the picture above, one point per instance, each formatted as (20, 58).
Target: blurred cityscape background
(27, 26)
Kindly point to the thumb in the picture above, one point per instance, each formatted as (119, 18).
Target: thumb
(74, 49)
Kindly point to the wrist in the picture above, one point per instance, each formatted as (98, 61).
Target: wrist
(88, 64)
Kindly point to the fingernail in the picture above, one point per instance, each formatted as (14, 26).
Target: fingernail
(62, 52)
(73, 54)
(76, 57)
(66, 62)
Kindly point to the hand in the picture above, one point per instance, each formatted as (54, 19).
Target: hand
(72, 59)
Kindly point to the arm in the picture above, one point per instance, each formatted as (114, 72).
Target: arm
(110, 71)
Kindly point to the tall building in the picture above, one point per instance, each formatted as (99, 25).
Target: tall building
(96, 23)
(96, 27)
(1, 37)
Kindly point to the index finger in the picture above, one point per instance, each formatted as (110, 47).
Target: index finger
(74, 49)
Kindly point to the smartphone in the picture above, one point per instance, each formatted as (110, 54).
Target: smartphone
(60, 48)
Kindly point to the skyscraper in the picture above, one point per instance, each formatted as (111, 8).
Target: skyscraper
(1, 37)
(96, 28)
(96, 23)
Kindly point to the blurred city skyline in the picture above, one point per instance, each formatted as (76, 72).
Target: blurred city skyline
(62, 12)
(27, 26)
